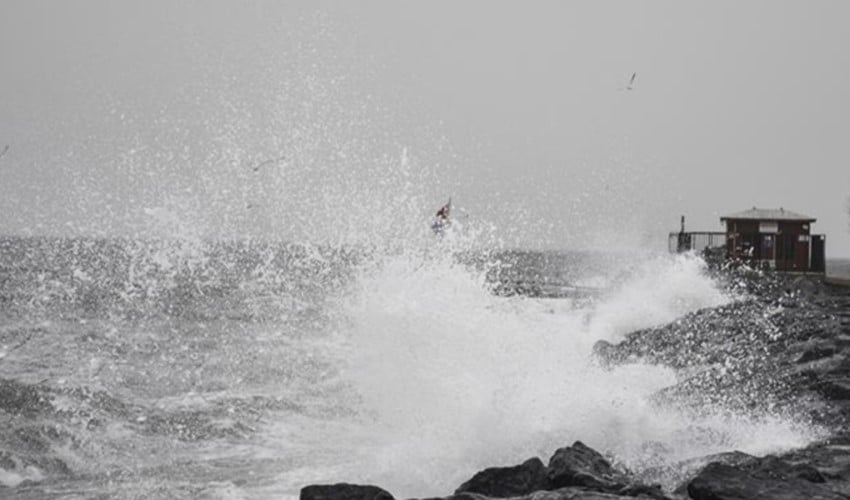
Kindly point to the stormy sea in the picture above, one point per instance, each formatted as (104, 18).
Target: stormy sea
(247, 369)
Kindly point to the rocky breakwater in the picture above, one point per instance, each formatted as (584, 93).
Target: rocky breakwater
(782, 348)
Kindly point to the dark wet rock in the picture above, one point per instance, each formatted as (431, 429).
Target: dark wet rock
(725, 482)
(736, 475)
(344, 491)
(580, 465)
(574, 472)
(502, 482)
(767, 467)
(831, 459)
(682, 472)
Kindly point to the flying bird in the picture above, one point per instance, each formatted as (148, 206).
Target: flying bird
(4, 151)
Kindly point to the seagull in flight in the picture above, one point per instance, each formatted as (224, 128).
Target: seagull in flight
(630, 85)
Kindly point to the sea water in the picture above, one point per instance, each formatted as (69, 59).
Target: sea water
(249, 369)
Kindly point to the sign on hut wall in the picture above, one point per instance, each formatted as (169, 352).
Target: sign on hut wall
(769, 227)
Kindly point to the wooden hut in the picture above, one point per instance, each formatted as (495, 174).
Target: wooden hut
(762, 237)
(775, 238)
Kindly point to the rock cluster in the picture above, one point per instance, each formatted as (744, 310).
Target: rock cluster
(578, 472)
(574, 472)
(784, 346)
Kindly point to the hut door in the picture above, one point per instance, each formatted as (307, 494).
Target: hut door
(785, 252)
(818, 256)
(768, 248)
(801, 253)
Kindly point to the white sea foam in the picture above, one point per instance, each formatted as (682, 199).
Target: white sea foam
(656, 291)
(454, 379)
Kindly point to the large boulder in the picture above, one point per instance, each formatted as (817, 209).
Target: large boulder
(580, 465)
(344, 491)
(771, 479)
(502, 482)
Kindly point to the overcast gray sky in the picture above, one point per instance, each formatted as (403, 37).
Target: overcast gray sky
(151, 117)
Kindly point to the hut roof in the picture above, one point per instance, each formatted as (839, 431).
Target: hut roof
(768, 214)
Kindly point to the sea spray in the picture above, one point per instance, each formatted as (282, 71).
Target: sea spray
(453, 379)
(656, 290)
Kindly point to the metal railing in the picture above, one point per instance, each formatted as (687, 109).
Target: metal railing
(713, 245)
(695, 241)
